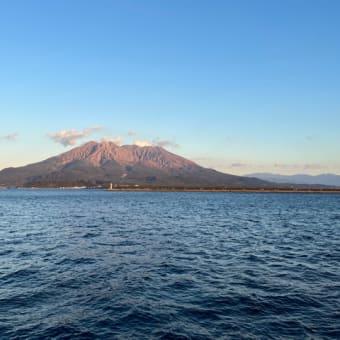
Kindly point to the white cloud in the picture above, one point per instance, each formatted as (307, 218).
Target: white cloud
(117, 140)
(156, 142)
(11, 137)
(142, 143)
(71, 137)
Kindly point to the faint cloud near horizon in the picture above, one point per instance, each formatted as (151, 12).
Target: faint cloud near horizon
(285, 166)
(314, 166)
(311, 138)
(10, 137)
(300, 166)
(239, 165)
(245, 168)
(71, 137)
(132, 132)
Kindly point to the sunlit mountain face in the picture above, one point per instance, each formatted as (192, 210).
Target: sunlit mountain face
(95, 164)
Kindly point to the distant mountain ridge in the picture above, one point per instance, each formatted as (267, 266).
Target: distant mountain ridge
(322, 179)
(95, 164)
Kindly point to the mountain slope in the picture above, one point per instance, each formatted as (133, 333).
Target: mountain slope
(101, 163)
(323, 179)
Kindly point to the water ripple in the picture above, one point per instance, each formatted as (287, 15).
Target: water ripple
(94, 264)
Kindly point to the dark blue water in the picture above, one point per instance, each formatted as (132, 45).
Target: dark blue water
(95, 264)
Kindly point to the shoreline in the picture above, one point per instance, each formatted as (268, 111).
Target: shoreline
(189, 189)
(238, 190)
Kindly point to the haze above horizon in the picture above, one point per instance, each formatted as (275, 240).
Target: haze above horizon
(239, 86)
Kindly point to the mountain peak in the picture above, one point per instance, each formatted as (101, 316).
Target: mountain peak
(95, 153)
(103, 162)
(99, 153)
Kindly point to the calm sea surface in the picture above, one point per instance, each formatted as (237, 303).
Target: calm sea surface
(83, 264)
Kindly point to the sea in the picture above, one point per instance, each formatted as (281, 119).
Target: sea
(93, 264)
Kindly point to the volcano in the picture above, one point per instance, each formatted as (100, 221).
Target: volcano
(101, 163)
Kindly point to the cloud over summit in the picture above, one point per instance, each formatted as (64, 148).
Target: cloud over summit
(117, 140)
(156, 142)
(142, 143)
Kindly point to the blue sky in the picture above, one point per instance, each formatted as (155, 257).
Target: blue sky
(240, 86)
